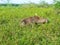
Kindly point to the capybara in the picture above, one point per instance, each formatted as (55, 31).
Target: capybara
(33, 19)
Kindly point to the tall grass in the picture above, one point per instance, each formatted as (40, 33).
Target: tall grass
(45, 34)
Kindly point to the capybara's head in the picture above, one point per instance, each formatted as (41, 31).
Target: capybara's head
(42, 21)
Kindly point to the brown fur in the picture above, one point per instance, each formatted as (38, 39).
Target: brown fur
(33, 19)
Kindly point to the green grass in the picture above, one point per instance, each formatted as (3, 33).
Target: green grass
(12, 34)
